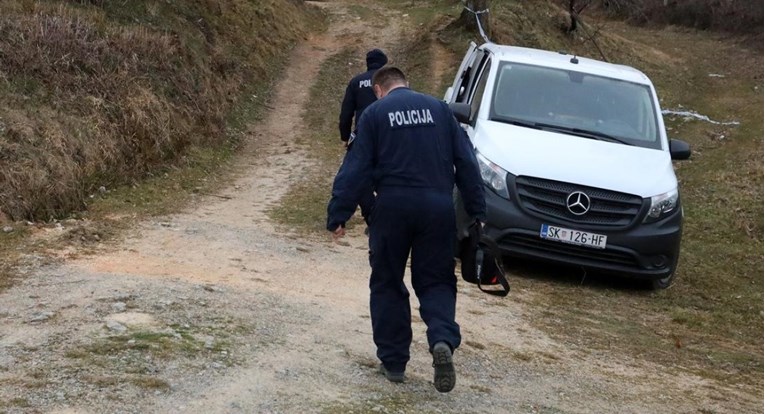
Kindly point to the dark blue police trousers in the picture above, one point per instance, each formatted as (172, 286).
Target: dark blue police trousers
(420, 221)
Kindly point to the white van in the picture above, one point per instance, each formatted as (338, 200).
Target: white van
(575, 158)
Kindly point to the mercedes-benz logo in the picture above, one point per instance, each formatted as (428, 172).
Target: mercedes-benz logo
(578, 203)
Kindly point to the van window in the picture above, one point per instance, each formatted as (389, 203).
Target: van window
(569, 99)
(468, 82)
(475, 103)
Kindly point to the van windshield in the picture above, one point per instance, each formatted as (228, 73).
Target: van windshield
(577, 103)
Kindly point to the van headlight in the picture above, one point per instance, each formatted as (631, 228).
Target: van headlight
(662, 205)
(493, 176)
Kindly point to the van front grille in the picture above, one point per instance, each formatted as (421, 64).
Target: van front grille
(551, 198)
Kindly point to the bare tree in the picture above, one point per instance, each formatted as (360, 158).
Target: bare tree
(575, 7)
(574, 22)
(472, 9)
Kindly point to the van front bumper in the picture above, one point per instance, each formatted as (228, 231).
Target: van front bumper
(642, 250)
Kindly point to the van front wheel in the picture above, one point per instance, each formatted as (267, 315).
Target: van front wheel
(666, 281)
(663, 283)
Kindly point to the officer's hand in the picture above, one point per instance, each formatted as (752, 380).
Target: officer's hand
(338, 233)
(476, 228)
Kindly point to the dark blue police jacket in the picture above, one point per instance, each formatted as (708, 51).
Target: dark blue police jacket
(359, 93)
(407, 139)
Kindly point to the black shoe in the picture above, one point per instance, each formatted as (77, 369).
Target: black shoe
(392, 376)
(444, 376)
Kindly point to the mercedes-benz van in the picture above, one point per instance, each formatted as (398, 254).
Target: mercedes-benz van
(575, 158)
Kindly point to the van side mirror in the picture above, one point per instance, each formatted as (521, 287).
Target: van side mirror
(679, 150)
(461, 111)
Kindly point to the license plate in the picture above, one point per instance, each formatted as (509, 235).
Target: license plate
(580, 238)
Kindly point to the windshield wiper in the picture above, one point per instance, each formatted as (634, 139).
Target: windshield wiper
(519, 122)
(577, 131)
(584, 133)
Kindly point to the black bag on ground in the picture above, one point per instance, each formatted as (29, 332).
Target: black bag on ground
(481, 262)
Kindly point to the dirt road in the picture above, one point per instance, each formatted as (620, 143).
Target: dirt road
(219, 311)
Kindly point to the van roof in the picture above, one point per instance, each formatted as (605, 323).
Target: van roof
(562, 60)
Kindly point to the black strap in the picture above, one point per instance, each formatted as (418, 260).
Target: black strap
(486, 243)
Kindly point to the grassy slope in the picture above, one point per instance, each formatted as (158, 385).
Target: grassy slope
(710, 321)
(99, 93)
(65, 106)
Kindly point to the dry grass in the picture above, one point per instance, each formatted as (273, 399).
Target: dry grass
(111, 111)
(98, 93)
(744, 16)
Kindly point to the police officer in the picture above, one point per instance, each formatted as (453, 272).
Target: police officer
(359, 95)
(411, 151)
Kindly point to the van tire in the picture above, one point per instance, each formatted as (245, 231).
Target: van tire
(666, 281)
(661, 284)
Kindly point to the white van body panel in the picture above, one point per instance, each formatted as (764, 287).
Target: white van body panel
(524, 151)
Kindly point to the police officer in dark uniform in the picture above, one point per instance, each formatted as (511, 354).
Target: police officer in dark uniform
(411, 151)
(358, 96)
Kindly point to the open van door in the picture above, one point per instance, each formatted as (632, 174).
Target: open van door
(453, 91)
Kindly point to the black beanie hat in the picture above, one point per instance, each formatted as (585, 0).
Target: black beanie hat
(376, 59)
